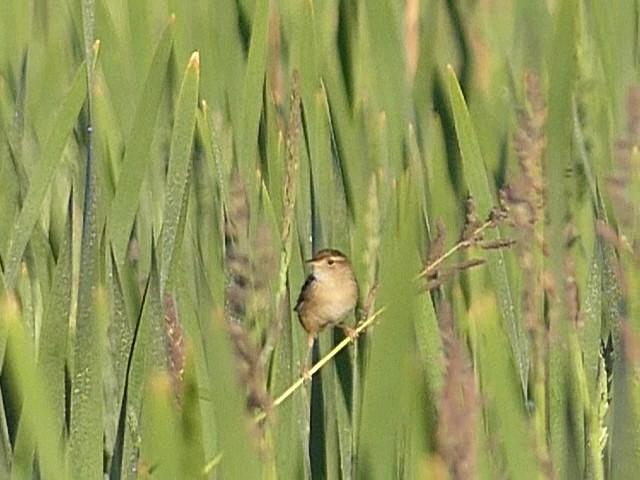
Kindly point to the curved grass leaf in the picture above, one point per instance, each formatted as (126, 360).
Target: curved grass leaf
(119, 335)
(134, 164)
(477, 181)
(146, 356)
(51, 159)
(179, 167)
(52, 354)
(428, 338)
(38, 426)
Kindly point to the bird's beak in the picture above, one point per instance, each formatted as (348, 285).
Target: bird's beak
(311, 260)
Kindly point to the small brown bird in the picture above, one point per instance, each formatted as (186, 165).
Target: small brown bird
(328, 296)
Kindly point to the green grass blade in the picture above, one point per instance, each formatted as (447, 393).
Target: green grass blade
(15, 31)
(51, 159)
(387, 387)
(179, 167)
(119, 335)
(191, 422)
(503, 410)
(253, 89)
(5, 441)
(387, 72)
(198, 330)
(336, 424)
(38, 422)
(624, 461)
(428, 338)
(239, 459)
(477, 181)
(558, 157)
(593, 312)
(88, 27)
(52, 355)
(161, 437)
(145, 357)
(138, 142)
(86, 422)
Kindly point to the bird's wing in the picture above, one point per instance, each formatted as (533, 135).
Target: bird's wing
(305, 291)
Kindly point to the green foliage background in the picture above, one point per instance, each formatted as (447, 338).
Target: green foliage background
(166, 167)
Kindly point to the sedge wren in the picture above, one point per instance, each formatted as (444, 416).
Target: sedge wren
(328, 295)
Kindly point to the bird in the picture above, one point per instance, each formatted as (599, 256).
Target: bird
(328, 296)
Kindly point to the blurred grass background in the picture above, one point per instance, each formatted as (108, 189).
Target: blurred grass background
(166, 168)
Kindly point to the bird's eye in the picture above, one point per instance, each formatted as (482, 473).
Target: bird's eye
(331, 261)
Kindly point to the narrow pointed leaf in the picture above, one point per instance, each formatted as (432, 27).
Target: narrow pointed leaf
(134, 164)
(179, 166)
(477, 181)
(45, 173)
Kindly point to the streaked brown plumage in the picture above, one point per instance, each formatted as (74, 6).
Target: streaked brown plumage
(329, 294)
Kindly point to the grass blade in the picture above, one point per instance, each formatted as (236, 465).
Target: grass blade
(38, 423)
(145, 357)
(160, 435)
(383, 422)
(558, 158)
(52, 355)
(119, 335)
(253, 88)
(86, 414)
(51, 159)
(134, 164)
(477, 181)
(179, 167)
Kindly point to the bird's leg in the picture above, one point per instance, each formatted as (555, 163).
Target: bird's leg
(352, 333)
(308, 359)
